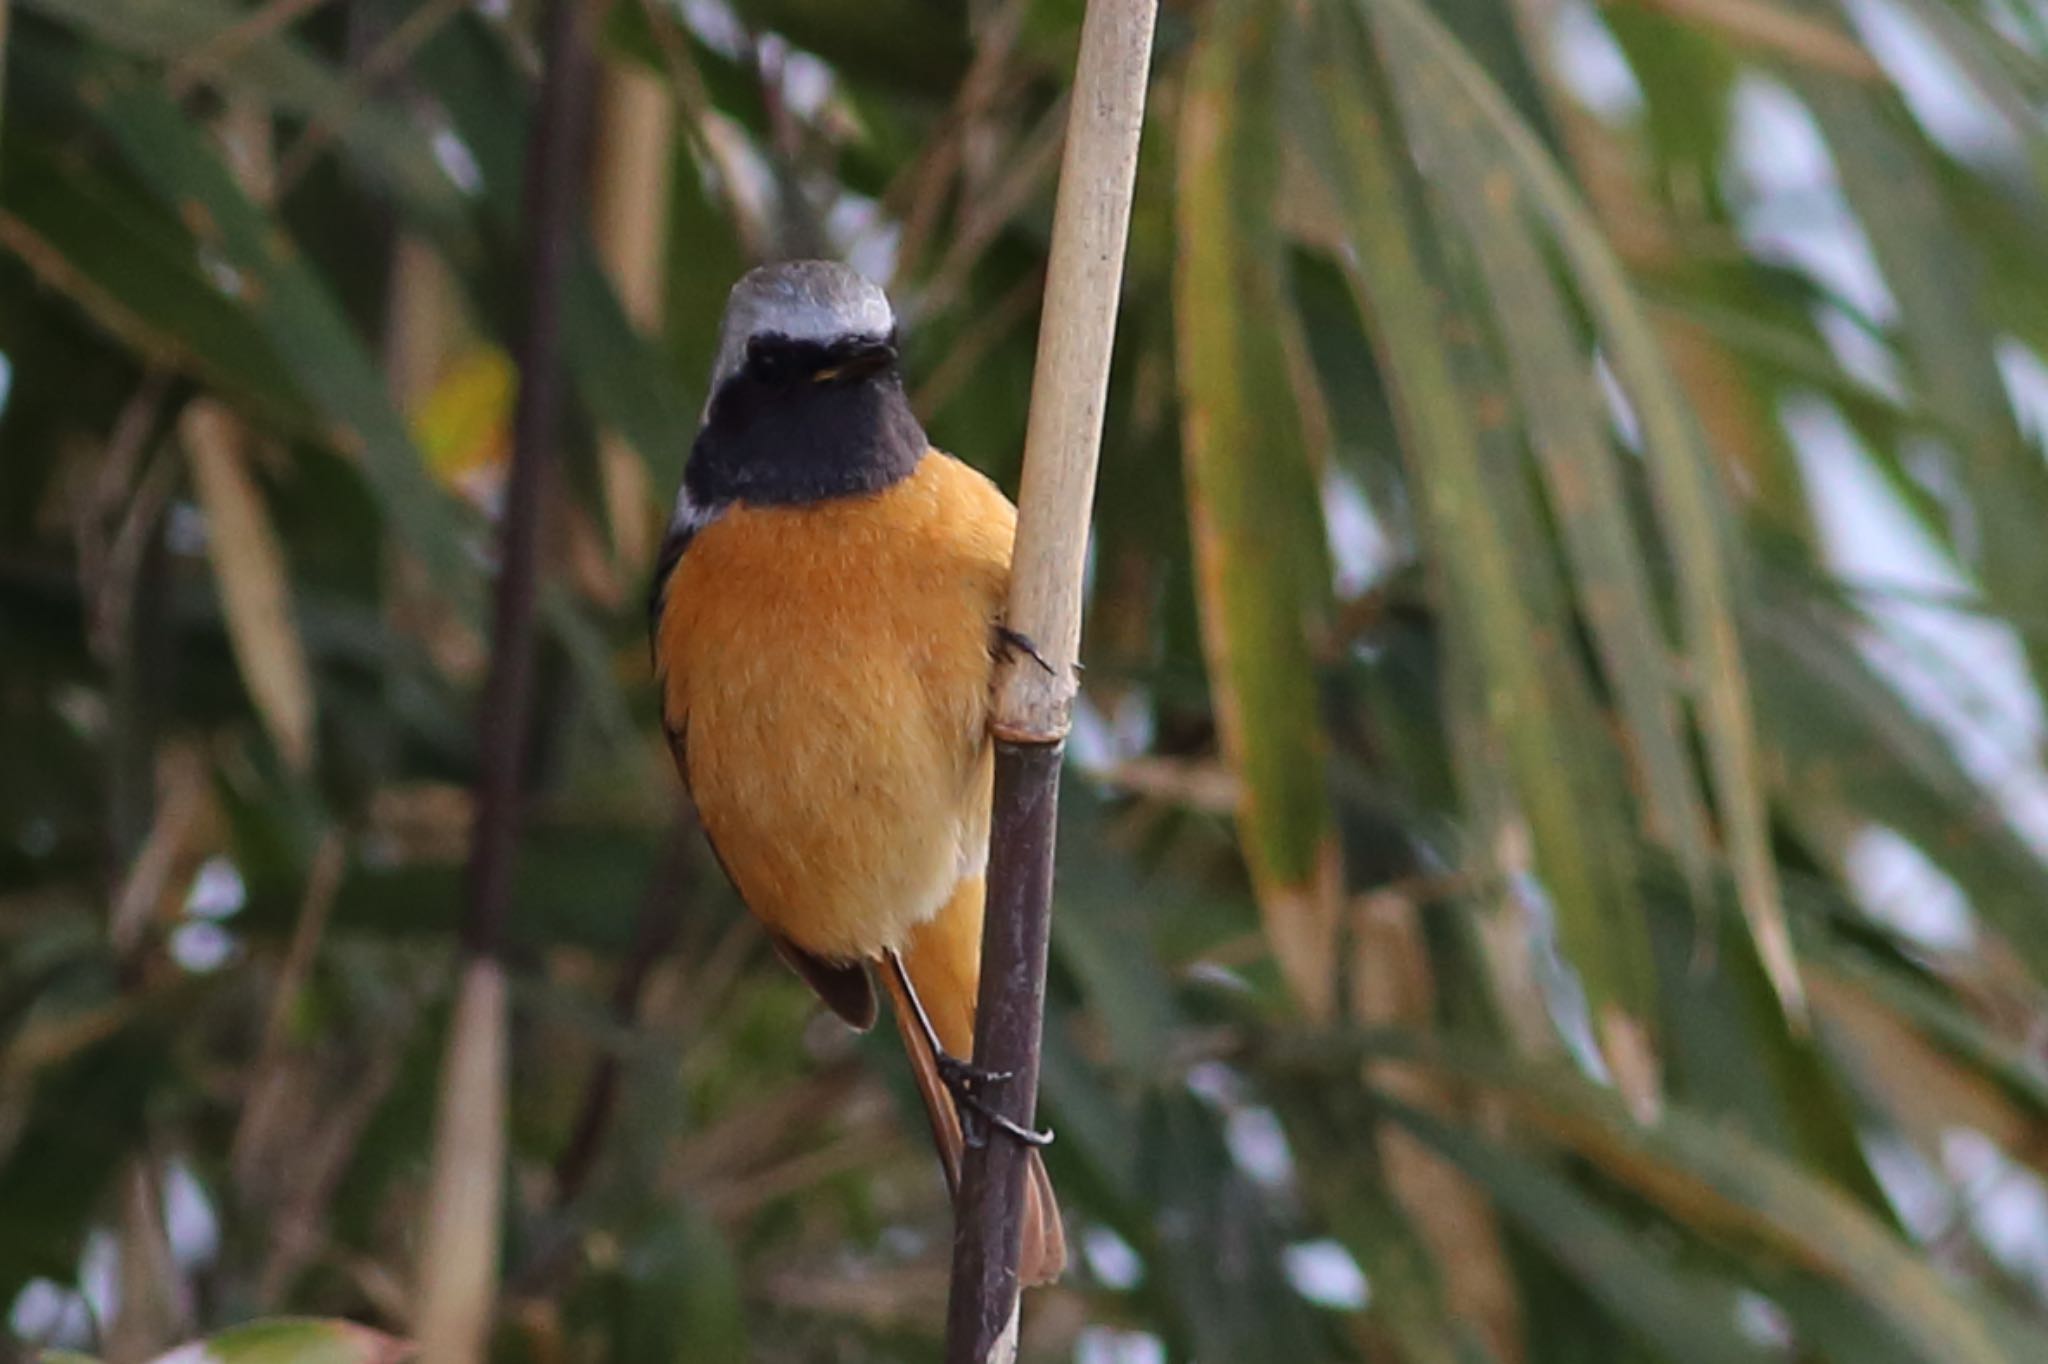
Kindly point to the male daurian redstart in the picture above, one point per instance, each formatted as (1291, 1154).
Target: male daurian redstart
(826, 618)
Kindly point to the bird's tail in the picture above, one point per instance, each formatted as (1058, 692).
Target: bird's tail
(943, 962)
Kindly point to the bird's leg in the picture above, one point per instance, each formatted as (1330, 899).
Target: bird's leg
(1006, 638)
(964, 1080)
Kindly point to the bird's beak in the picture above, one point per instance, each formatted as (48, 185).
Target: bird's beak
(871, 358)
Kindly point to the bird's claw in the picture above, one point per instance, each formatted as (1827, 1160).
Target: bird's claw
(965, 1081)
(1018, 640)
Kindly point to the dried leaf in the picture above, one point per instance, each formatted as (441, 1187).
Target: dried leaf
(255, 581)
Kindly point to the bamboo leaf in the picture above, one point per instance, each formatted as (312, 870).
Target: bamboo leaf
(2012, 80)
(1683, 478)
(77, 1121)
(4, 12)
(1717, 1183)
(1353, 1193)
(1665, 1306)
(1854, 753)
(621, 376)
(254, 580)
(1215, 1241)
(293, 1340)
(1974, 1050)
(1100, 936)
(1553, 382)
(1521, 678)
(294, 309)
(679, 1294)
(1947, 336)
(1733, 1053)
(1815, 1224)
(135, 271)
(391, 148)
(1832, 1324)
(1257, 525)
(459, 1251)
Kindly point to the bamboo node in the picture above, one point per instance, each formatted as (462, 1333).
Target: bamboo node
(1027, 735)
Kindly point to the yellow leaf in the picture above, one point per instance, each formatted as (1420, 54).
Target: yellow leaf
(464, 424)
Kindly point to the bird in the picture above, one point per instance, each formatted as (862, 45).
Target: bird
(826, 619)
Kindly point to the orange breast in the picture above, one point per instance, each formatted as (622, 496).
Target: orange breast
(827, 667)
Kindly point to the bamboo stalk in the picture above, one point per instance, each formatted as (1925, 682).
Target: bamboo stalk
(1034, 695)
(458, 1281)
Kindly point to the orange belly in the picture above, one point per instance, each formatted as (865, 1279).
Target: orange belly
(826, 668)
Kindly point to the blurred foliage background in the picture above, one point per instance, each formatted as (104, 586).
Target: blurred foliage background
(1554, 863)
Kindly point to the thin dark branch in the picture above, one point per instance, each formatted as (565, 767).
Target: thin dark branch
(552, 190)
(141, 668)
(654, 933)
(988, 1226)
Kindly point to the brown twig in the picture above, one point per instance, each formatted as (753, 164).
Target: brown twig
(654, 934)
(747, 1137)
(134, 605)
(1035, 687)
(551, 194)
(708, 140)
(224, 45)
(106, 561)
(1032, 163)
(917, 195)
(323, 880)
(1203, 784)
(390, 53)
(459, 1270)
(1777, 31)
(965, 355)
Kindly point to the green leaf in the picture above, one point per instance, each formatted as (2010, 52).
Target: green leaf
(1214, 1243)
(1733, 1052)
(623, 378)
(1659, 1300)
(390, 147)
(673, 1293)
(295, 1340)
(1684, 480)
(1335, 1138)
(279, 290)
(1946, 333)
(78, 1121)
(1523, 682)
(1551, 371)
(1258, 532)
(136, 271)
(1852, 752)
(1100, 934)
(1719, 1184)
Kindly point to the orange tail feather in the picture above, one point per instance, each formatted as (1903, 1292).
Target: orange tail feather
(943, 961)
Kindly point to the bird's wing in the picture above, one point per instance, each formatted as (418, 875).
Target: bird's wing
(847, 990)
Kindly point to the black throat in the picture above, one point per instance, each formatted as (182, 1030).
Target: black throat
(804, 421)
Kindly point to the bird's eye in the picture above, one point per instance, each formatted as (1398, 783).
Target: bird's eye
(767, 363)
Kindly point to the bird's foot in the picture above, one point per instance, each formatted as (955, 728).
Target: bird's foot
(967, 1083)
